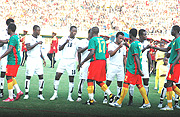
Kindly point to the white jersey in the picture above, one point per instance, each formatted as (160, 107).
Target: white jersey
(84, 43)
(4, 36)
(70, 49)
(117, 59)
(36, 51)
(144, 54)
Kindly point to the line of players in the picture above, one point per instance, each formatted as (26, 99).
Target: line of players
(70, 46)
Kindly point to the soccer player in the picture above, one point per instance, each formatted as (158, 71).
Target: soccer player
(145, 58)
(97, 68)
(83, 52)
(134, 71)
(159, 58)
(173, 74)
(117, 62)
(4, 37)
(13, 62)
(53, 49)
(69, 47)
(24, 49)
(34, 61)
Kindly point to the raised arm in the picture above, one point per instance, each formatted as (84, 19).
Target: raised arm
(112, 53)
(30, 47)
(61, 47)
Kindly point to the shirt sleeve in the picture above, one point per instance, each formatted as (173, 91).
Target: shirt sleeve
(12, 41)
(92, 44)
(134, 49)
(110, 47)
(177, 45)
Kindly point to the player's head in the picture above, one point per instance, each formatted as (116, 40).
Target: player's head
(142, 35)
(73, 31)
(161, 45)
(9, 21)
(133, 33)
(25, 32)
(119, 37)
(175, 30)
(36, 30)
(53, 34)
(94, 31)
(165, 60)
(11, 29)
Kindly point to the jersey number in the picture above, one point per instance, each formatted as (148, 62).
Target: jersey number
(102, 42)
(69, 44)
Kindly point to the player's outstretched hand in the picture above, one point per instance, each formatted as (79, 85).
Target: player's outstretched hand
(79, 66)
(44, 63)
(40, 42)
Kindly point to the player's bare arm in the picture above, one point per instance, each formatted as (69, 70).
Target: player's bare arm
(112, 53)
(138, 65)
(61, 47)
(4, 41)
(124, 60)
(30, 47)
(7, 52)
(89, 56)
(175, 62)
(81, 50)
(161, 49)
(44, 62)
(147, 47)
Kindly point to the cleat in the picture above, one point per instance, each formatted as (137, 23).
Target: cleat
(8, 100)
(54, 97)
(116, 105)
(1, 95)
(159, 105)
(155, 88)
(79, 99)
(26, 97)
(41, 97)
(112, 99)
(19, 95)
(90, 102)
(166, 108)
(144, 106)
(177, 106)
(105, 101)
(14, 95)
(70, 99)
(94, 100)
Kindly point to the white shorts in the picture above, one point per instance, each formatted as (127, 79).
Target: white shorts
(115, 70)
(145, 70)
(3, 64)
(84, 71)
(34, 66)
(67, 64)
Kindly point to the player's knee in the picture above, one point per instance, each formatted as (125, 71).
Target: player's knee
(40, 77)
(168, 84)
(119, 83)
(71, 78)
(58, 75)
(89, 80)
(3, 74)
(108, 82)
(8, 77)
(139, 86)
(28, 77)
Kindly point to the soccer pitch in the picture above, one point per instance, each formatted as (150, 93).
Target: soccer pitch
(61, 107)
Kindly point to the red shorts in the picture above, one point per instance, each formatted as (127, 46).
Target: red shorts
(97, 70)
(11, 70)
(176, 73)
(132, 78)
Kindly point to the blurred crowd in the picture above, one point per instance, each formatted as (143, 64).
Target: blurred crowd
(156, 16)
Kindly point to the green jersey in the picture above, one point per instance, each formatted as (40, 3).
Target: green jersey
(175, 45)
(14, 56)
(99, 45)
(134, 49)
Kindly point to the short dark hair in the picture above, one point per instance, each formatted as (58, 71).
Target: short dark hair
(133, 32)
(95, 30)
(35, 27)
(141, 32)
(12, 27)
(8, 21)
(119, 33)
(72, 27)
(176, 28)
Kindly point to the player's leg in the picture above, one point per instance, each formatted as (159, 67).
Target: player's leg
(27, 84)
(56, 85)
(71, 87)
(53, 60)
(2, 84)
(144, 95)
(90, 90)
(108, 83)
(120, 79)
(10, 89)
(41, 86)
(23, 58)
(16, 86)
(50, 58)
(177, 98)
(119, 88)
(80, 88)
(131, 93)
(161, 83)
(146, 86)
(156, 79)
(105, 88)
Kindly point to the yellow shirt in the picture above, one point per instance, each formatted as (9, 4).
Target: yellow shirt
(159, 54)
(163, 69)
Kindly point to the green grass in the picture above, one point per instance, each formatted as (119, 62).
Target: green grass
(35, 107)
